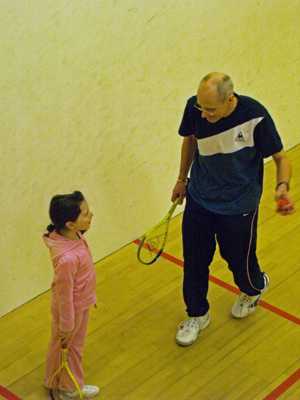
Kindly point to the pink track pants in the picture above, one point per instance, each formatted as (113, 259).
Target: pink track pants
(75, 347)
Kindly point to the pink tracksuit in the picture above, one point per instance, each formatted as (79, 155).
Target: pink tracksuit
(73, 292)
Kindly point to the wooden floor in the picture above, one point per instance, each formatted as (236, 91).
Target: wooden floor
(130, 350)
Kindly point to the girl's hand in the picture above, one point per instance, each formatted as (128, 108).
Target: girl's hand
(65, 338)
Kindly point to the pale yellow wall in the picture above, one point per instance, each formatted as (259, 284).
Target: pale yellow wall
(91, 96)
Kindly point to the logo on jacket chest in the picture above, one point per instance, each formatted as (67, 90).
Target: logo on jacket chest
(240, 137)
(230, 140)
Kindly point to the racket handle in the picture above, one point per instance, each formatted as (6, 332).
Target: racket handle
(174, 205)
(64, 352)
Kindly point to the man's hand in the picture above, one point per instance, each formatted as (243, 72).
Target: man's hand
(179, 191)
(285, 205)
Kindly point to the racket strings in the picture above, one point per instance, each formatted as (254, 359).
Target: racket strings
(153, 243)
(63, 366)
(54, 394)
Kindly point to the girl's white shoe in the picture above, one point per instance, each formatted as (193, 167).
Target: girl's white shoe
(88, 392)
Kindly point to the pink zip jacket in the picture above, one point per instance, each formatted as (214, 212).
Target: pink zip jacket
(74, 282)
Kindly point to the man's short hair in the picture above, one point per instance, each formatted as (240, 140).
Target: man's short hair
(224, 84)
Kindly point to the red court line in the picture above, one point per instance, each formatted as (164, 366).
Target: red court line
(292, 379)
(7, 394)
(233, 289)
(284, 386)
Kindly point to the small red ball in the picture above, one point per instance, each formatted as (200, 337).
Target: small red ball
(281, 203)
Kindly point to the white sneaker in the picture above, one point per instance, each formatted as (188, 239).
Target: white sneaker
(246, 305)
(189, 329)
(88, 392)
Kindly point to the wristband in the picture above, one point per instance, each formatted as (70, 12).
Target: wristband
(182, 180)
(283, 182)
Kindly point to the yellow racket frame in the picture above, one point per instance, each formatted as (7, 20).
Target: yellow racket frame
(165, 221)
(64, 365)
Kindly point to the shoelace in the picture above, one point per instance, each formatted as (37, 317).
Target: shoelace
(244, 298)
(189, 324)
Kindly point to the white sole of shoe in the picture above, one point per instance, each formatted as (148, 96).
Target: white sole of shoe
(186, 344)
(267, 280)
(251, 311)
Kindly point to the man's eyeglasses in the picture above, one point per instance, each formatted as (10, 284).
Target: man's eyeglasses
(211, 110)
(198, 107)
(208, 110)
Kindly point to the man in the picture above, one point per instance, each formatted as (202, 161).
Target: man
(225, 139)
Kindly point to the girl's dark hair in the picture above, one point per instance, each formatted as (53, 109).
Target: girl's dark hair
(64, 208)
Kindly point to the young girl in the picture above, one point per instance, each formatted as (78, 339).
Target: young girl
(73, 290)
